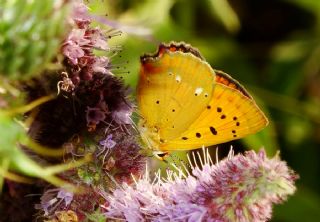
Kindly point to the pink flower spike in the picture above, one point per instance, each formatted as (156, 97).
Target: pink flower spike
(80, 14)
(240, 188)
(73, 52)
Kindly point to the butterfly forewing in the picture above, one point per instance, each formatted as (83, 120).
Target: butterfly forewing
(173, 90)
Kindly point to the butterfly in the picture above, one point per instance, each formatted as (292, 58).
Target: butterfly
(185, 104)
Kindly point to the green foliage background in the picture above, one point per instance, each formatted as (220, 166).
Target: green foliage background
(271, 46)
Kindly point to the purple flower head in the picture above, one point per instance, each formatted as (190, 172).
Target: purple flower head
(73, 52)
(101, 64)
(238, 188)
(108, 142)
(122, 114)
(94, 115)
(66, 196)
(74, 45)
(78, 48)
(80, 14)
(98, 39)
(52, 200)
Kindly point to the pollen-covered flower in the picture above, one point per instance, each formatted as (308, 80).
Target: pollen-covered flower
(239, 188)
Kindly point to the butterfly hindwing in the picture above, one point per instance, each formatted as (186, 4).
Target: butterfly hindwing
(231, 114)
(173, 90)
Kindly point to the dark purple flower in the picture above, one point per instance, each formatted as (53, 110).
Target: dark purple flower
(94, 115)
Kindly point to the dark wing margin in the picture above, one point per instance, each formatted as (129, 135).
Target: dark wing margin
(227, 80)
(173, 47)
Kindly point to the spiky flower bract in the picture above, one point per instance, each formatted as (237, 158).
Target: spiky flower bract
(239, 188)
(36, 42)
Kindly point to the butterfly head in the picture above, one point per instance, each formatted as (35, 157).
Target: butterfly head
(150, 135)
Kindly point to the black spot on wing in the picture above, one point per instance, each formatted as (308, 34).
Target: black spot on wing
(213, 130)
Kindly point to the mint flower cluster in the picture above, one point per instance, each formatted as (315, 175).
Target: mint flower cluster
(239, 188)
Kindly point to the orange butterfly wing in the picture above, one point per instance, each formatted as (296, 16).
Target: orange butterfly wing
(173, 89)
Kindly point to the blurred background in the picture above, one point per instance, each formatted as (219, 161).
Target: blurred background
(271, 46)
